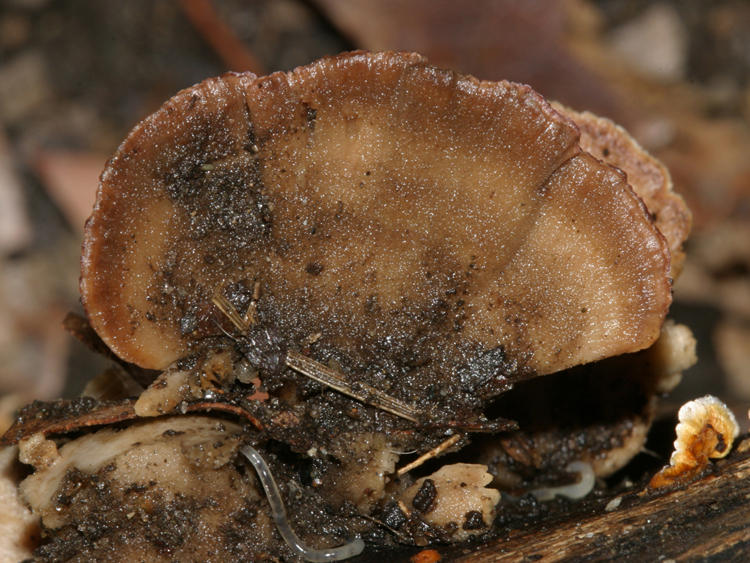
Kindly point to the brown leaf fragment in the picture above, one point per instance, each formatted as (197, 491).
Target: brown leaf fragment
(62, 416)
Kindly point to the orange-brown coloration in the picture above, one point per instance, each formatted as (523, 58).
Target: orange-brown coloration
(258, 395)
(104, 415)
(699, 448)
(706, 430)
(426, 556)
(431, 227)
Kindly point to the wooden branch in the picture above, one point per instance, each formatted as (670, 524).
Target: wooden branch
(706, 519)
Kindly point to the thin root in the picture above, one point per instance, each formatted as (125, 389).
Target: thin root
(394, 531)
(278, 513)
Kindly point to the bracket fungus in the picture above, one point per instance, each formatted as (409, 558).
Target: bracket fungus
(369, 257)
(430, 226)
(706, 430)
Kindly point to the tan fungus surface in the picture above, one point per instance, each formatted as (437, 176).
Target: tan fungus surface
(374, 197)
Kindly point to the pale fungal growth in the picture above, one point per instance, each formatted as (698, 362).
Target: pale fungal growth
(175, 385)
(367, 465)
(167, 484)
(38, 451)
(575, 491)
(706, 430)
(350, 549)
(455, 499)
(671, 354)
(168, 390)
(137, 456)
(18, 525)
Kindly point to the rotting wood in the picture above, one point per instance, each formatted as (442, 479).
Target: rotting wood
(706, 519)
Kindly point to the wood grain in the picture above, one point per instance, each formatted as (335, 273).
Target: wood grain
(706, 519)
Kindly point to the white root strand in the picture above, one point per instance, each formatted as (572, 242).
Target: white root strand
(578, 490)
(278, 512)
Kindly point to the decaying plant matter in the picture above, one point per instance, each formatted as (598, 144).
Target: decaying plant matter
(362, 260)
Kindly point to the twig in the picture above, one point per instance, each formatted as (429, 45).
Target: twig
(223, 304)
(29, 422)
(434, 452)
(323, 374)
(394, 531)
(364, 393)
(249, 317)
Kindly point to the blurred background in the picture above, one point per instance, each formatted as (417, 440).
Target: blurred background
(76, 76)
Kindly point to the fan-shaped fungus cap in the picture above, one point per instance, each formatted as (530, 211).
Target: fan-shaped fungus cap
(706, 429)
(705, 414)
(648, 177)
(429, 226)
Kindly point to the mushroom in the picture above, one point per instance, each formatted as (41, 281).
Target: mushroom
(599, 413)
(455, 500)
(162, 486)
(407, 238)
(433, 229)
(18, 526)
(648, 177)
(706, 430)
